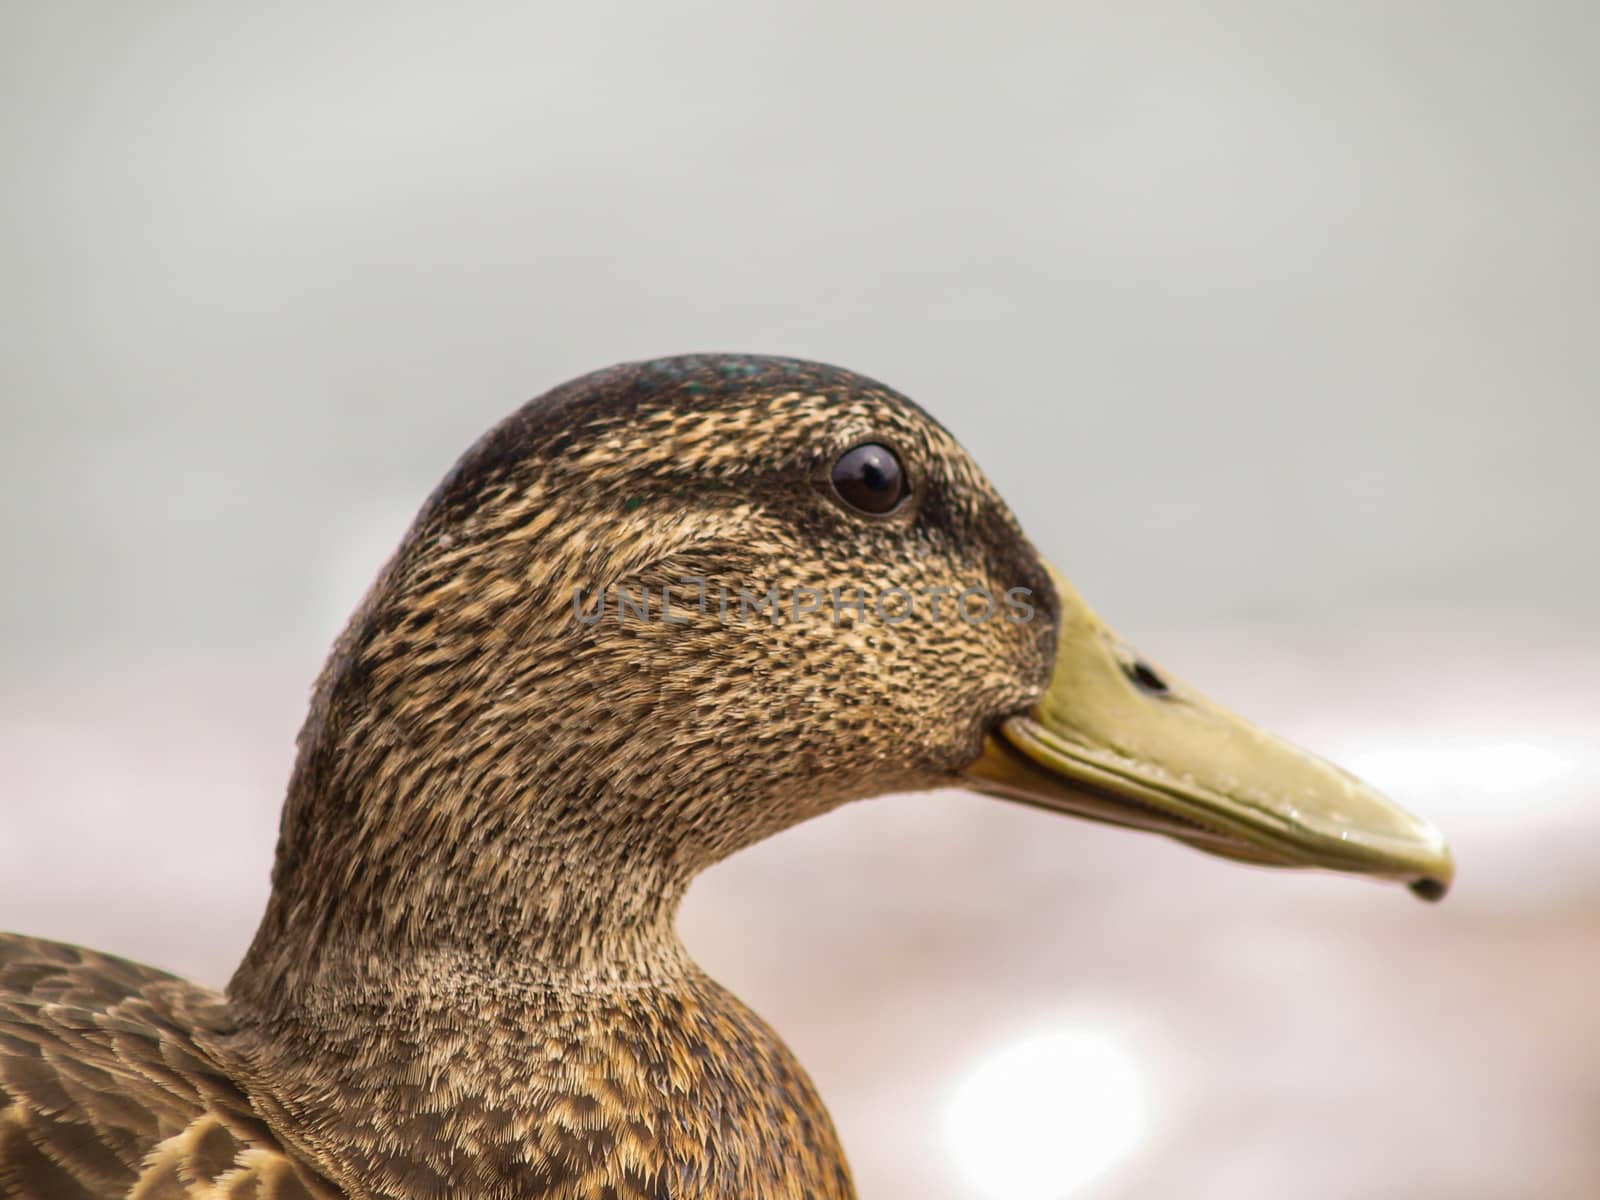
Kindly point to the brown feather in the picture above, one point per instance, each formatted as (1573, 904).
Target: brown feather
(467, 980)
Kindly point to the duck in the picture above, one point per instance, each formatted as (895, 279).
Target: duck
(662, 612)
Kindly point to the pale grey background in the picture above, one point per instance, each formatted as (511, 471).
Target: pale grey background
(1275, 322)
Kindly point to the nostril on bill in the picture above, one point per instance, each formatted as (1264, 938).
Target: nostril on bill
(1146, 678)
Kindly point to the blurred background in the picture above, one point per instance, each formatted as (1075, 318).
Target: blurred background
(1274, 321)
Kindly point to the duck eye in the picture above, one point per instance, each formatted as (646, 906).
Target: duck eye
(869, 477)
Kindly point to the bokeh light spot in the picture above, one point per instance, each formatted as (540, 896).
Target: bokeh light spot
(1046, 1115)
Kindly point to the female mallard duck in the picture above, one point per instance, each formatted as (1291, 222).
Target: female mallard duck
(661, 613)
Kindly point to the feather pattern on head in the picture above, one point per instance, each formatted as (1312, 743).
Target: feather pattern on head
(467, 981)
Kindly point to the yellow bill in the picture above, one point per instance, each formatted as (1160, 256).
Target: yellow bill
(1115, 740)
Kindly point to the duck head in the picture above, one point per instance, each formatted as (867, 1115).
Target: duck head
(673, 607)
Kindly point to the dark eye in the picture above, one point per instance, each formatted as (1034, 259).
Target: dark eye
(869, 477)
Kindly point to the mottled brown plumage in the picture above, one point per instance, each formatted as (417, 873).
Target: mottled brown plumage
(467, 981)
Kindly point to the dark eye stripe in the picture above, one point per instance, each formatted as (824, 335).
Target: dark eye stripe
(869, 478)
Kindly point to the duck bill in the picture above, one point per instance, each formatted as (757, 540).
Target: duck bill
(1117, 741)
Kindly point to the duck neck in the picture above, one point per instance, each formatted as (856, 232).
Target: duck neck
(387, 894)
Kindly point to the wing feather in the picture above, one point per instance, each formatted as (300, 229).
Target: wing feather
(104, 1092)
